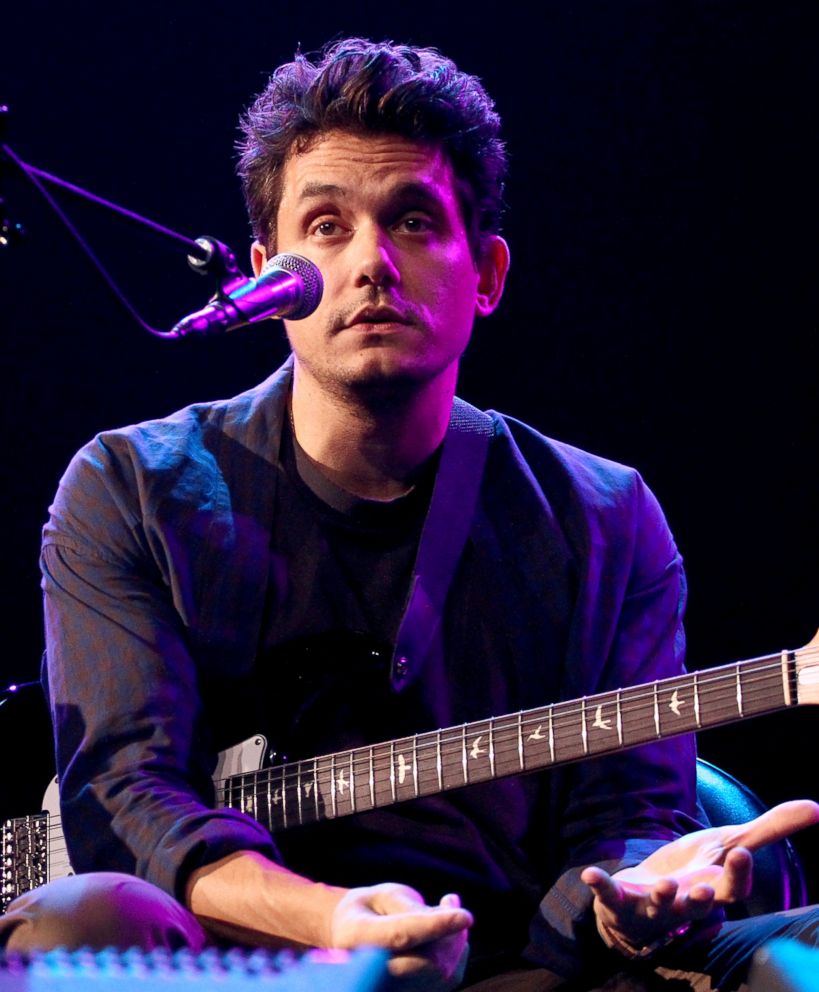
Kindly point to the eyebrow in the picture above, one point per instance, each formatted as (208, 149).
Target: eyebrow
(406, 191)
(312, 191)
(417, 191)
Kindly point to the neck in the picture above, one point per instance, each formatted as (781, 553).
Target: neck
(371, 442)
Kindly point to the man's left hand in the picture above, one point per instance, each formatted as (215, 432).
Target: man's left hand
(684, 880)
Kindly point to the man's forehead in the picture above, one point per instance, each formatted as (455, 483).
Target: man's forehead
(340, 163)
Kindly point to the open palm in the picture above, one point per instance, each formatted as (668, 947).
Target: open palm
(683, 880)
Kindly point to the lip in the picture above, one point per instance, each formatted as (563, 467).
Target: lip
(380, 318)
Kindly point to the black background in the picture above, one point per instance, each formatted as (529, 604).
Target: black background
(661, 308)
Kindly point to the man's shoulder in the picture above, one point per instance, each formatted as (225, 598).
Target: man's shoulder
(562, 467)
(191, 461)
(590, 501)
(195, 433)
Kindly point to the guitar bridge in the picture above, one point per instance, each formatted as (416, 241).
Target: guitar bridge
(24, 861)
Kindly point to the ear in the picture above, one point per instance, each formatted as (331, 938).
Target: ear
(258, 257)
(492, 269)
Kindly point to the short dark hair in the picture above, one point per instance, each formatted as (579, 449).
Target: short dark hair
(362, 86)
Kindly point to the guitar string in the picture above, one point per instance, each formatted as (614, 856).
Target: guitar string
(564, 711)
(505, 735)
(707, 678)
(631, 707)
(570, 708)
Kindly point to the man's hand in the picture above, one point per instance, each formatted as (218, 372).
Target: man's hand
(685, 879)
(428, 943)
(246, 898)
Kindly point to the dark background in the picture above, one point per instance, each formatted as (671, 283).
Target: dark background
(661, 309)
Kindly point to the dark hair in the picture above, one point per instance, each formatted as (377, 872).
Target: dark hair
(358, 85)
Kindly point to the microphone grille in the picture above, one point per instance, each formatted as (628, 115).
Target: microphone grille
(310, 277)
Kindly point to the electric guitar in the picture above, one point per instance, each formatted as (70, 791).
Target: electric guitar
(379, 775)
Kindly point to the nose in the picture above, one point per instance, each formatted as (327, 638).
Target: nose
(376, 263)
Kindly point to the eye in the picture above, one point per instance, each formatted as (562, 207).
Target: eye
(326, 229)
(414, 224)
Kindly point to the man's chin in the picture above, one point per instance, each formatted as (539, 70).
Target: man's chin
(388, 383)
(374, 383)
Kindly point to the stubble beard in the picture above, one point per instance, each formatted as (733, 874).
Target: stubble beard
(377, 382)
(372, 386)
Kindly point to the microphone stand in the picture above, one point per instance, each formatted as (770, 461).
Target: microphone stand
(205, 255)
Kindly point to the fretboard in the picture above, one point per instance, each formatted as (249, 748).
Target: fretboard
(379, 775)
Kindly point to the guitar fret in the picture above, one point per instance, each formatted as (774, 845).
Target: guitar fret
(438, 762)
(352, 784)
(415, 765)
(551, 734)
(372, 780)
(284, 799)
(697, 701)
(492, 746)
(382, 770)
(584, 730)
(656, 712)
(333, 806)
(739, 694)
(316, 789)
(619, 717)
(786, 682)
(392, 770)
(762, 688)
(601, 722)
(298, 792)
(464, 765)
(521, 761)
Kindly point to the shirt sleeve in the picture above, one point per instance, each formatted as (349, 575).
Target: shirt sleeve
(133, 755)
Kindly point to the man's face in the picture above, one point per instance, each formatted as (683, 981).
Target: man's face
(379, 216)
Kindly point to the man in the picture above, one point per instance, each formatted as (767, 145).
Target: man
(245, 565)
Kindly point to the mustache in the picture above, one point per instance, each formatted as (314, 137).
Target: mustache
(369, 304)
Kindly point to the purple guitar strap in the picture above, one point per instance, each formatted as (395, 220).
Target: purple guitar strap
(443, 538)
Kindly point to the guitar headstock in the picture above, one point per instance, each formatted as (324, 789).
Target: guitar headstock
(807, 671)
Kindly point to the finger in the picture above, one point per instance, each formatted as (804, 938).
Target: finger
(737, 875)
(432, 968)
(403, 931)
(661, 898)
(440, 957)
(697, 903)
(394, 916)
(605, 888)
(392, 899)
(775, 824)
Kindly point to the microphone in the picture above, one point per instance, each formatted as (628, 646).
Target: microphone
(288, 286)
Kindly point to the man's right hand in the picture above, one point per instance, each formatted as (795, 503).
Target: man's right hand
(428, 944)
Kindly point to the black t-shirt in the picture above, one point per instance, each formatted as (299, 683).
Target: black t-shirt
(343, 566)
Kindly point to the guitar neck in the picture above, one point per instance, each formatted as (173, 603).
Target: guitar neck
(426, 764)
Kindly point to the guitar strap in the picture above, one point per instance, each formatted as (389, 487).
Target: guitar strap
(443, 538)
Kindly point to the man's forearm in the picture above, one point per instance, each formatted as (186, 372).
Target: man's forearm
(252, 900)
(247, 897)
